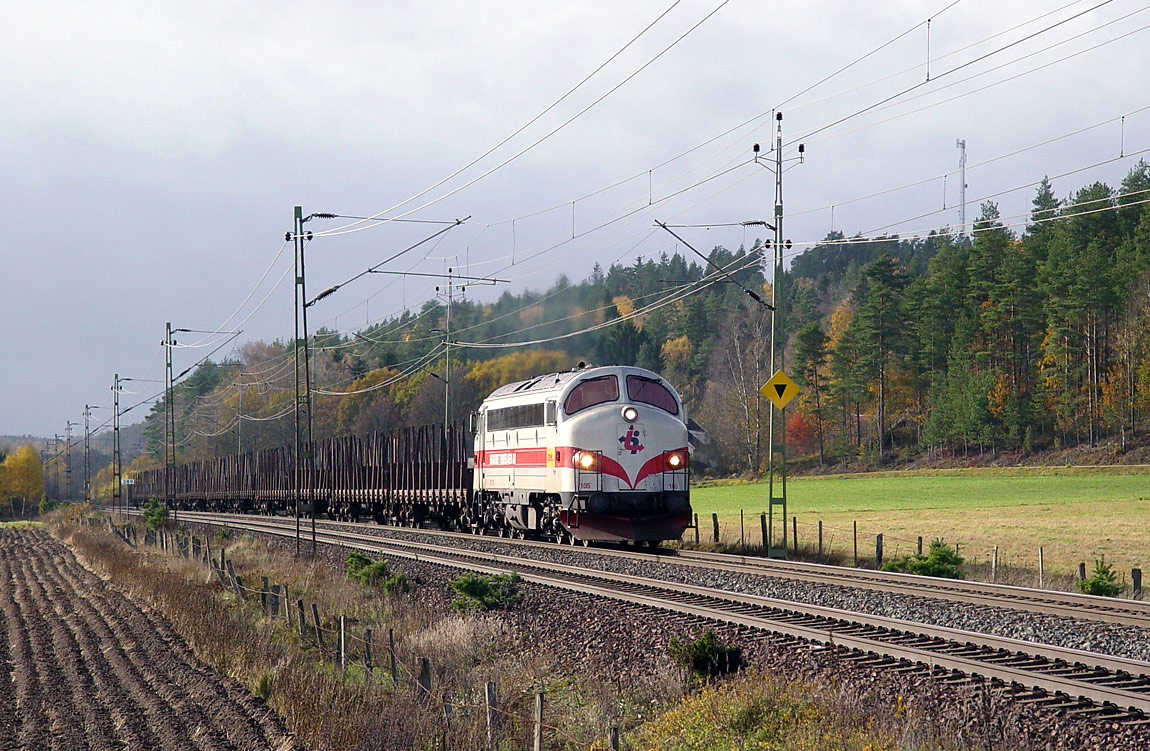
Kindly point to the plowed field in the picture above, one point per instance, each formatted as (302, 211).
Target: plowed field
(86, 668)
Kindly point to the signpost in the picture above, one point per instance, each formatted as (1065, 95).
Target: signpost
(780, 390)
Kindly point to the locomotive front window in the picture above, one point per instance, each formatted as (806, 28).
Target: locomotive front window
(650, 391)
(591, 392)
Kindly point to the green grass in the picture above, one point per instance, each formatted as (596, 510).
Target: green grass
(21, 524)
(1074, 514)
(956, 490)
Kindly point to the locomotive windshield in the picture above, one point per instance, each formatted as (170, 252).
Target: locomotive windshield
(591, 392)
(650, 391)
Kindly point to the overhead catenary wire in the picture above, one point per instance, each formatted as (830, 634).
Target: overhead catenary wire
(969, 167)
(807, 134)
(768, 113)
(520, 129)
(956, 97)
(1013, 190)
(997, 224)
(561, 126)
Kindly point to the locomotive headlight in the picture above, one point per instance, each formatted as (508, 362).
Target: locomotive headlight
(585, 459)
(630, 414)
(675, 460)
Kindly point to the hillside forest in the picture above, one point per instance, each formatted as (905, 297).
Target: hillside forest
(1026, 334)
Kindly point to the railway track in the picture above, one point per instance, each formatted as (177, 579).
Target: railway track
(1114, 688)
(1124, 612)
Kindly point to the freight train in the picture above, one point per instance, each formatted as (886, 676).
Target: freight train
(590, 454)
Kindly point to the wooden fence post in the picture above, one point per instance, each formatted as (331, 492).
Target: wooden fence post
(318, 630)
(742, 532)
(696, 529)
(302, 618)
(613, 738)
(820, 559)
(490, 695)
(367, 649)
(538, 736)
(715, 525)
(994, 565)
(223, 576)
(878, 550)
(391, 651)
(920, 544)
(1081, 571)
(1136, 580)
(343, 641)
(856, 541)
(264, 604)
(763, 529)
(1041, 580)
(236, 587)
(795, 533)
(423, 682)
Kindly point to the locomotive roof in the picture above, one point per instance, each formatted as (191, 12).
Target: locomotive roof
(557, 381)
(547, 382)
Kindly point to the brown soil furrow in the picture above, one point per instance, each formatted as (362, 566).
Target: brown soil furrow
(250, 720)
(88, 668)
(195, 693)
(193, 690)
(117, 685)
(50, 695)
(84, 716)
(9, 620)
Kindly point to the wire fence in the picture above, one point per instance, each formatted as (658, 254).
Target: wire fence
(836, 544)
(345, 648)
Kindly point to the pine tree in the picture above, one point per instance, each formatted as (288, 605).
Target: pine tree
(810, 360)
(881, 318)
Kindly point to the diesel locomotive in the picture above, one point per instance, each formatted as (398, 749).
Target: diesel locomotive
(598, 453)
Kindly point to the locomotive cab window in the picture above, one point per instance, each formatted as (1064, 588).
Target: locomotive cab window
(591, 392)
(650, 391)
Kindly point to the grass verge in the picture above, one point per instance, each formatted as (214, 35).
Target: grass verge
(1074, 514)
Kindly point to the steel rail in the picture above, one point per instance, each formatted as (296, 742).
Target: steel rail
(1101, 679)
(1127, 612)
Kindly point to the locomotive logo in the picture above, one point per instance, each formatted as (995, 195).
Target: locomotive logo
(630, 440)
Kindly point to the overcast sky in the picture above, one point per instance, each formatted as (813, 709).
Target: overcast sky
(152, 152)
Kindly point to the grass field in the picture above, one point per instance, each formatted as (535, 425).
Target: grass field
(1075, 514)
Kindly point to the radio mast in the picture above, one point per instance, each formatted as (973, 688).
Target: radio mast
(960, 144)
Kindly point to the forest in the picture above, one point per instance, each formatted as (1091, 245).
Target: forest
(1027, 334)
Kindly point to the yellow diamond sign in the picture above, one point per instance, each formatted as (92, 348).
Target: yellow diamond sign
(780, 389)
